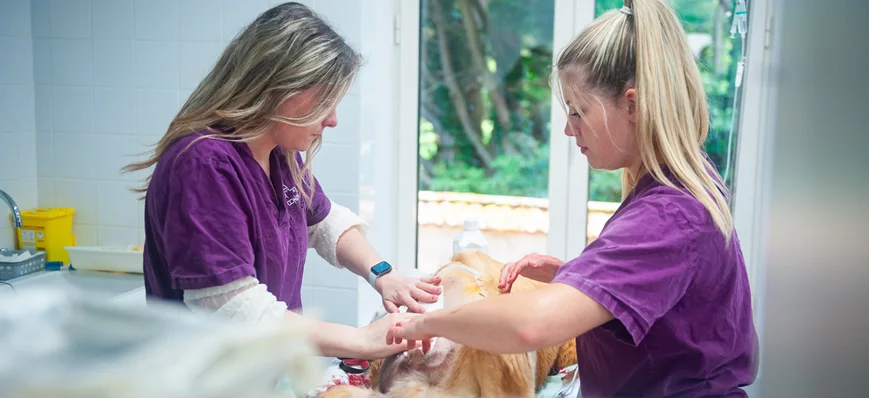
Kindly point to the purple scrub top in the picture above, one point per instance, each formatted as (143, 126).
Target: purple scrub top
(680, 296)
(213, 216)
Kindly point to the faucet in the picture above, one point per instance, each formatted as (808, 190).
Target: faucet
(13, 207)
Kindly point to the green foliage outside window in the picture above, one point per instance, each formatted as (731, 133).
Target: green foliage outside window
(485, 94)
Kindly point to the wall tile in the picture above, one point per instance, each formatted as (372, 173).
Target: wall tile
(116, 204)
(331, 305)
(343, 16)
(70, 18)
(239, 13)
(45, 187)
(45, 154)
(40, 11)
(155, 111)
(42, 108)
(328, 168)
(347, 130)
(7, 241)
(157, 64)
(113, 19)
(42, 65)
(115, 110)
(197, 59)
(16, 108)
(116, 236)
(85, 235)
(15, 18)
(115, 63)
(200, 20)
(156, 19)
(23, 191)
(350, 201)
(72, 109)
(78, 194)
(9, 162)
(320, 273)
(113, 152)
(74, 156)
(17, 65)
(72, 62)
(27, 161)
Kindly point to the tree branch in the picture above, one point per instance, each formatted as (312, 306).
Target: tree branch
(455, 92)
(478, 60)
(425, 177)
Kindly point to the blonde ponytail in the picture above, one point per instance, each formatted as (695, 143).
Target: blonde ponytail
(644, 44)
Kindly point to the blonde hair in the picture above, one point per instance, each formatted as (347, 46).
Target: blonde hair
(286, 50)
(643, 45)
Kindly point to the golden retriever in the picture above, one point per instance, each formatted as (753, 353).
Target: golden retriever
(453, 370)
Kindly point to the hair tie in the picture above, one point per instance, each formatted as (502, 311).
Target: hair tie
(627, 10)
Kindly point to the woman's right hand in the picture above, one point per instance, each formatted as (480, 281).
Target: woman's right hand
(538, 267)
(374, 345)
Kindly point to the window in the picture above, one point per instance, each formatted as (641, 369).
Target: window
(463, 63)
(484, 125)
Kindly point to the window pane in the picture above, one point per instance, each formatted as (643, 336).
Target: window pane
(707, 25)
(484, 108)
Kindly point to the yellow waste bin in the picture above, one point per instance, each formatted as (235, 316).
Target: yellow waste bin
(48, 230)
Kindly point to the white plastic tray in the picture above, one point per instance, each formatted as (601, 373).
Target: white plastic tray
(106, 258)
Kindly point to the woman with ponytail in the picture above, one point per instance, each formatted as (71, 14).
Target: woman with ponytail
(659, 304)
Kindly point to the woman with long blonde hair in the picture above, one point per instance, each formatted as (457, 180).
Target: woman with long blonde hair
(231, 207)
(659, 304)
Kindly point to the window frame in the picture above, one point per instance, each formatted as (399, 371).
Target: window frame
(753, 147)
(568, 169)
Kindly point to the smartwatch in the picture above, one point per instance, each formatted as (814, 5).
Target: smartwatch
(378, 270)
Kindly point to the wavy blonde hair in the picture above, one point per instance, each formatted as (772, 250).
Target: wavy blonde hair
(644, 46)
(286, 50)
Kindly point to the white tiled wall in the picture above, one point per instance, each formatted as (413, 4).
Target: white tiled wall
(105, 77)
(18, 167)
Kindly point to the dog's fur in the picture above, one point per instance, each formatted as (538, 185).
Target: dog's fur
(452, 370)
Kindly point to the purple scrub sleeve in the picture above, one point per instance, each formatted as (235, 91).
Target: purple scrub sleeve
(680, 297)
(213, 216)
(205, 217)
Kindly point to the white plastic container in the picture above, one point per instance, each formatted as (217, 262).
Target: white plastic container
(106, 258)
(471, 238)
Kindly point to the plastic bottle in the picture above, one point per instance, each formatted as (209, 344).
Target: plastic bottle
(470, 238)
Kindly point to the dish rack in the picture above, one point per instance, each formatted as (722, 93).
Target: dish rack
(11, 270)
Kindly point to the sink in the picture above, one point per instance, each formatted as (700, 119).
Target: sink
(101, 285)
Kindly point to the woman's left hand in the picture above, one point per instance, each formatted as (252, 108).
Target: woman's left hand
(410, 330)
(397, 290)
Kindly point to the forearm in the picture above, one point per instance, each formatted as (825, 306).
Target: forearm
(355, 253)
(519, 322)
(331, 339)
(498, 324)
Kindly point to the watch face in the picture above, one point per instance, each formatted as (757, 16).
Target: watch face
(381, 268)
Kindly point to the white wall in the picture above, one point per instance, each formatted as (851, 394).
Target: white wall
(17, 124)
(105, 78)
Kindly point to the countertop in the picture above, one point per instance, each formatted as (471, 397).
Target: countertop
(127, 288)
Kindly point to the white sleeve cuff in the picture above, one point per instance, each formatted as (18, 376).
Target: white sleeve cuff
(243, 300)
(323, 236)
